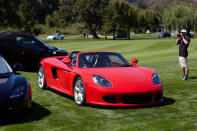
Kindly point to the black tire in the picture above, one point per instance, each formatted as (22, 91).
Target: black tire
(41, 78)
(79, 92)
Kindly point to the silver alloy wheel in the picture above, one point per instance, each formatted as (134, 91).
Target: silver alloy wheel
(41, 78)
(79, 92)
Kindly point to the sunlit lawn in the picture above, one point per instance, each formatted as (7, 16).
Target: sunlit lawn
(58, 112)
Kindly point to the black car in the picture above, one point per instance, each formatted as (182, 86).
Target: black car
(15, 90)
(120, 35)
(164, 35)
(20, 47)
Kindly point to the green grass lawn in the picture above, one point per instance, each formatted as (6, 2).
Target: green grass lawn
(57, 112)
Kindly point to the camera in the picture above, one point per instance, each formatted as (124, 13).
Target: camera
(178, 35)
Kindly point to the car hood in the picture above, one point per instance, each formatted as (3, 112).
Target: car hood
(127, 78)
(58, 52)
(124, 75)
(8, 83)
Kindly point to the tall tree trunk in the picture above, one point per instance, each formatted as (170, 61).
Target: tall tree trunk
(93, 32)
(188, 32)
(128, 33)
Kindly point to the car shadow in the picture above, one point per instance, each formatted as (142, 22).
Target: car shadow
(166, 101)
(60, 93)
(8, 117)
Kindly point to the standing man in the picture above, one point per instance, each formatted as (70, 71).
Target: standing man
(87, 35)
(84, 35)
(183, 41)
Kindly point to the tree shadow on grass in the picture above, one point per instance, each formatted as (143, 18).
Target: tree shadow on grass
(8, 117)
(193, 77)
(166, 101)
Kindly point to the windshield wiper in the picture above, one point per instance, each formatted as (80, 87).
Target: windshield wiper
(125, 66)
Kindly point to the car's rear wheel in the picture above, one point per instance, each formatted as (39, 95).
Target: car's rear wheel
(79, 92)
(41, 78)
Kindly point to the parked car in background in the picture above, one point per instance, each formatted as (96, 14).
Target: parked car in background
(15, 90)
(23, 48)
(120, 35)
(56, 36)
(164, 35)
(101, 78)
(192, 34)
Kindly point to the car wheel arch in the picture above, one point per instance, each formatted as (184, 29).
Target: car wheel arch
(45, 82)
(73, 83)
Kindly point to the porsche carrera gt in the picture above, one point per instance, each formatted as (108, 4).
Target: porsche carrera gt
(101, 78)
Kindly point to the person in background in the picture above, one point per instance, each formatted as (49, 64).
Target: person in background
(87, 35)
(84, 35)
(183, 41)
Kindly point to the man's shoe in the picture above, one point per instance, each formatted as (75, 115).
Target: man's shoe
(185, 77)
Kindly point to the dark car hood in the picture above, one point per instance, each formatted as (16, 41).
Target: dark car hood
(7, 84)
(54, 48)
(58, 52)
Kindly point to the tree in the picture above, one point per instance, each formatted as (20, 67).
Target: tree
(120, 16)
(142, 4)
(50, 21)
(8, 15)
(91, 13)
(110, 20)
(65, 12)
(42, 8)
(179, 17)
(27, 15)
(159, 9)
(146, 18)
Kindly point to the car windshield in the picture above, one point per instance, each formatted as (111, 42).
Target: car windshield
(50, 47)
(102, 59)
(5, 68)
(53, 34)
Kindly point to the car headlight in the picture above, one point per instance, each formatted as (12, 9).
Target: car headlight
(17, 92)
(156, 79)
(101, 81)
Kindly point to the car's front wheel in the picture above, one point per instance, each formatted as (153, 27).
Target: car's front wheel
(79, 92)
(41, 78)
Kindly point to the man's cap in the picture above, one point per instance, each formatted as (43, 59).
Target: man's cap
(183, 31)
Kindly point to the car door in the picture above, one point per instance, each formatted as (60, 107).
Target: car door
(66, 76)
(32, 52)
(58, 36)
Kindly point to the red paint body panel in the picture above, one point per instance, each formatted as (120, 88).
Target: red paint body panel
(132, 86)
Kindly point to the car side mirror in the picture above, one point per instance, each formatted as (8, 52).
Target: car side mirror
(134, 61)
(17, 67)
(67, 61)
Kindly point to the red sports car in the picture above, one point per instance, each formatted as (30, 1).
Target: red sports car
(101, 78)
